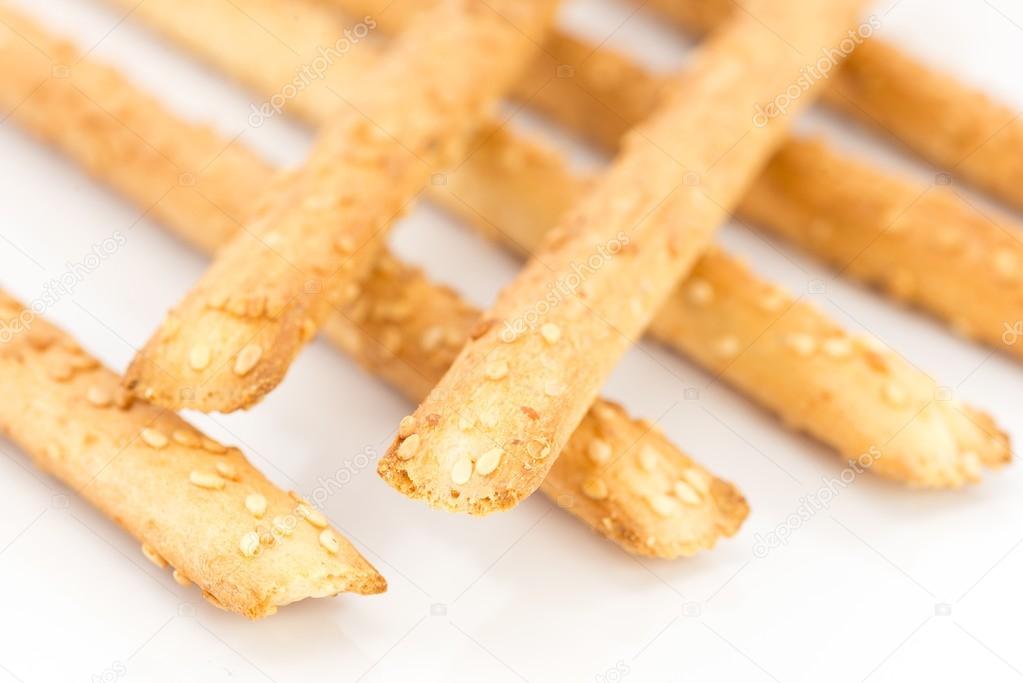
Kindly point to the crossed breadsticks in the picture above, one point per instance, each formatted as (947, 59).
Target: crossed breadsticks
(649, 498)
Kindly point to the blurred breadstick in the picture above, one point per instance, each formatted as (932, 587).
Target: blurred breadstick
(233, 337)
(514, 191)
(615, 472)
(936, 116)
(557, 331)
(905, 238)
(195, 505)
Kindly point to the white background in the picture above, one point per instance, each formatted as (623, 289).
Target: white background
(530, 594)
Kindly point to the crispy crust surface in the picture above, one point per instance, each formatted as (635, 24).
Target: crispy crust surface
(177, 491)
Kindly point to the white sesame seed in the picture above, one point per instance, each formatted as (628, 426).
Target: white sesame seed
(686, 493)
(284, 526)
(1007, 264)
(489, 461)
(895, 395)
(490, 418)
(648, 458)
(551, 333)
(432, 338)
(185, 438)
(99, 397)
(496, 370)
(329, 541)
(256, 504)
(466, 422)
(773, 301)
(407, 449)
(700, 292)
(663, 505)
(153, 556)
(227, 471)
(837, 347)
(599, 451)
(727, 347)
(803, 344)
(311, 515)
(595, 488)
(154, 438)
(462, 471)
(199, 357)
(181, 579)
(697, 479)
(249, 544)
(206, 480)
(406, 427)
(247, 359)
(538, 449)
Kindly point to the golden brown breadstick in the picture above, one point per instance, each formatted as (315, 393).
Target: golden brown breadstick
(195, 505)
(905, 238)
(932, 114)
(515, 191)
(403, 328)
(233, 337)
(788, 357)
(558, 330)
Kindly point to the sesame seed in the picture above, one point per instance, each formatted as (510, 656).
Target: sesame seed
(185, 438)
(61, 372)
(489, 461)
(213, 447)
(153, 556)
(265, 537)
(256, 504)
(227, 471)
(551, 333)
(648, 458)
(206, 480)
(99, 397)
(496, 370)
(154, 438)
(247, 359)
(432, 338)
(595, 488)
(554, 388)
(837, 347)
(773, 302)
(406, 427)
(466, 422)
(803, 344)
(895, 395)
(727, 346)
(462, 471)
(697, 479)
(181, 578)
(249, 544)
(311, 515)
(599, 451)
(538, 449)
(686, 493)
(407, 449)
(663, 505)
(329, 541)
(490, 418)
(1006, 263)
(700, 292)
(199, 357)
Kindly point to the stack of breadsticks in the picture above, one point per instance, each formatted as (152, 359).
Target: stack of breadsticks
(509, 396)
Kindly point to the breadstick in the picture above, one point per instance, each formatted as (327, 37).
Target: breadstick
(513, 190)
(904, 238)
(233, 337)
(788, 357)
(558, 330)
(403, 328)
(195, 505)
(941, 119)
